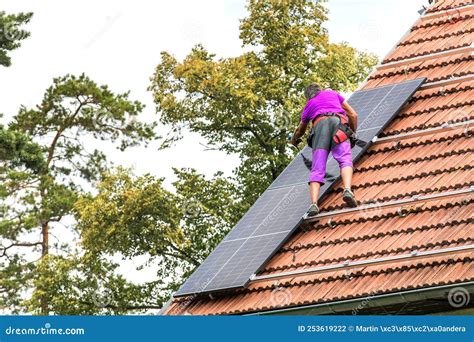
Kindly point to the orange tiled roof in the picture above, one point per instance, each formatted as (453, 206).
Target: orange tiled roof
(439, 47)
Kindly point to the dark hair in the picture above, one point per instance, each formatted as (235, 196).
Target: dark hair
(312, 90)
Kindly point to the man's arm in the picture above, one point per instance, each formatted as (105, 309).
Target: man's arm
(351, 114)
(299, 132)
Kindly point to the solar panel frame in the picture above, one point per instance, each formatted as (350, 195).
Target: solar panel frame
(255, 238)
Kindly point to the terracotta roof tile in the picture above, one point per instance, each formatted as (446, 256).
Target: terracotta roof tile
(435, 36)
(442, 68)
(433, 163)
(442, 5)
(420, 231)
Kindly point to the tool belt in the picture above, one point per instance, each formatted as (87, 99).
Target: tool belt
(343, 132)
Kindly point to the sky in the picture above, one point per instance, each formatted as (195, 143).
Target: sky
(119, 43)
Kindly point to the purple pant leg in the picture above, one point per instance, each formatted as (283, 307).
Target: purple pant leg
(343, 154)
(318, 169)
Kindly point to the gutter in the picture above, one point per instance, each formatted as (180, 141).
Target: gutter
(384, 300)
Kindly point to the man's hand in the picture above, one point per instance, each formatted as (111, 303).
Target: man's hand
(295, 142)
(351, 114)
(299, 132)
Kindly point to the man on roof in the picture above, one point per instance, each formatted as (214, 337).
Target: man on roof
(333, 123)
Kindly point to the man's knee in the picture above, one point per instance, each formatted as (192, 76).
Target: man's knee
(317, 177)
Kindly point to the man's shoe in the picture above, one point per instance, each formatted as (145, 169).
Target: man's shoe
(313, 210)
(349, 198)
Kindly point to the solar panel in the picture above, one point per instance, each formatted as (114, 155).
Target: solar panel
(254, 253)
(295, 173)
(274, 211)
(251, 242)
(210, 268)
(280, 209)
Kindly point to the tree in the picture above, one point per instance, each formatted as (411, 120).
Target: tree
(12, 34)
(250, 103)
(43, 176)
(21, 161)
(176, 230)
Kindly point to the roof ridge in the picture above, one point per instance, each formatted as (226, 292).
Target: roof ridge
(395, 251)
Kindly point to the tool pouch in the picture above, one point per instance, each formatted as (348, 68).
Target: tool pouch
(310, 137)
(343, 133)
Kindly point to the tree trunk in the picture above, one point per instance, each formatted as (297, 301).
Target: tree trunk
(45, 242)
(44, 252)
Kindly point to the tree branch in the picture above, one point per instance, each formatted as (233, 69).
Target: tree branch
(19, 244)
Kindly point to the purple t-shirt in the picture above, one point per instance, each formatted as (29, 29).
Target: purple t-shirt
(327, 101)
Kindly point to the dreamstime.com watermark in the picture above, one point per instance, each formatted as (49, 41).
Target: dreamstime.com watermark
(46, 330)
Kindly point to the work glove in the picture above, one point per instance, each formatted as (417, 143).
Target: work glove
(296, 143)
(290, 140)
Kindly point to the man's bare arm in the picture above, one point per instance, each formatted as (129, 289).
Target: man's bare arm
(351, 114)
(299, 132)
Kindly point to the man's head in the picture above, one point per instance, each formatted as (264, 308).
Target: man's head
(312, 90)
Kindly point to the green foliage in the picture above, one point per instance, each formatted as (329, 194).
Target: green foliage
(242, 104)
(87, 285)
(44, 168)
(137, 216)
(17, 149)
(74, 108)
(11, 34)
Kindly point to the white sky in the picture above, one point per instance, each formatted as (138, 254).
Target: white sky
(119, 42)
